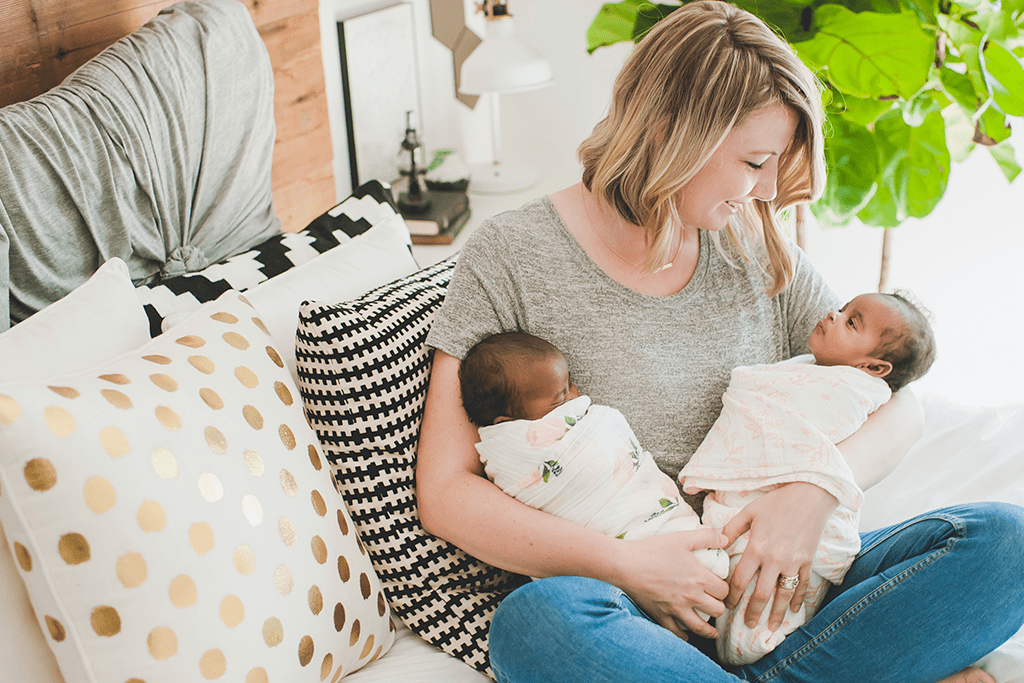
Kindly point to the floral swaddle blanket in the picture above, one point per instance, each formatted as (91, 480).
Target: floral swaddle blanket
(779, 424)
(583, 463)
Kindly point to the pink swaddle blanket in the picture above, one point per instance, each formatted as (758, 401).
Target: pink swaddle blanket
(779, 424)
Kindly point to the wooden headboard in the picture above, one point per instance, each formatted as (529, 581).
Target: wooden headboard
(45, 40)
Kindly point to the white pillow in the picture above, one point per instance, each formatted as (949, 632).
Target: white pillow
(174, 520)
(376, 257)
(99, 320)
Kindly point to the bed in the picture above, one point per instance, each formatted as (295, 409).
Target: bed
(188, 389)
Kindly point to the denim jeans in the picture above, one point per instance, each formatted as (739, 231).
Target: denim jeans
(924, 599)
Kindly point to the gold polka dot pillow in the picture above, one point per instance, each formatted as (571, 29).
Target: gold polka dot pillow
(173, 519)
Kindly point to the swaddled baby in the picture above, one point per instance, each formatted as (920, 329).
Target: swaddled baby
(547, 446)
(780, 423)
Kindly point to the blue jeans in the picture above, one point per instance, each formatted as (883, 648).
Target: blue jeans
(924, 599)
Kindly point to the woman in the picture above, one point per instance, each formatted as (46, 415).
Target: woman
(659, 273)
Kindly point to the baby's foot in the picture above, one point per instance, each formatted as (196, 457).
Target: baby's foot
(971, 674)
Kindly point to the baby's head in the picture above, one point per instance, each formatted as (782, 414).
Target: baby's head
(884, 335)
(513, 376)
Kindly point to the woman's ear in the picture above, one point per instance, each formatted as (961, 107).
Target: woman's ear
(876, 367)
(502, 418)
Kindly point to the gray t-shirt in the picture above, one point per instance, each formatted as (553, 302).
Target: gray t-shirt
(664, 362)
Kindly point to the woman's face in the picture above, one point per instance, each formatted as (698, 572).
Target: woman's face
(745, 167)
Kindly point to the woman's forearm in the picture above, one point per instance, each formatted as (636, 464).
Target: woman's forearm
(874, 450)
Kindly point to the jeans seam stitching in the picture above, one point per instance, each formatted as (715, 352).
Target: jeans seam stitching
(867, 600)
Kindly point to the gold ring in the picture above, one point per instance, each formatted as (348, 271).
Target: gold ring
(789, 582)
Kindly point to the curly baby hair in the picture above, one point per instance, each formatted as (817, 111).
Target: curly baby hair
(488, 374)
(911, 350)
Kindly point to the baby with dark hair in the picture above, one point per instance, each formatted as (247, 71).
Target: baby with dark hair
(780, 423)
(549, 447)
(885, 335)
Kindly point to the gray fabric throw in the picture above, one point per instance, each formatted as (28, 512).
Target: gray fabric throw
(157, 151)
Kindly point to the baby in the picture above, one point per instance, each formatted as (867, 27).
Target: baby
(547, 446)
(780, 424)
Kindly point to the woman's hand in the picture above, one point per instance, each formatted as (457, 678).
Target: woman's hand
(661, 575)
(785, 527)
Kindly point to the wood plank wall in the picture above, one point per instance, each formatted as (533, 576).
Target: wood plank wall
(42, 41)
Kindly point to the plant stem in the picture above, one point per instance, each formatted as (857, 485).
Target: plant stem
(883, 274)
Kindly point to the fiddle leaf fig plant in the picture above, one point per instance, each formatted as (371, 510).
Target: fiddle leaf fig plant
(911, 87)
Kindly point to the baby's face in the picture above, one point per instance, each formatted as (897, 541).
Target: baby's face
(851, 335)
(548, 387)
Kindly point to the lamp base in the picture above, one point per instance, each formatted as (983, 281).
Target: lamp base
(500, 178)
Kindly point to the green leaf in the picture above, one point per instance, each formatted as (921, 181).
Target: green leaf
(915, 162)
(1007, 78)
(852, 162)
(976, 73)
(916, 110)
(792, 18)
(870, 54)
(959, 132)
(959, 87)
(1006, 159)
(958, 32)
(997, 22)
(648, 16)
(971, 4)
(613, 24)
(992, 127)
(924, 9)
(881, 210)
(860, 109)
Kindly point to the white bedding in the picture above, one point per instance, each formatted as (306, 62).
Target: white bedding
(966, 454)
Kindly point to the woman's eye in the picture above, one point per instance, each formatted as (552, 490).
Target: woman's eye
(756, 167)
(850, 322)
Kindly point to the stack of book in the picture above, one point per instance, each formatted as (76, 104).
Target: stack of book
(442, 221)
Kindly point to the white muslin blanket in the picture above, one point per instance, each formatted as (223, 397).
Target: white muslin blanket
(583, 463)
(779, 424)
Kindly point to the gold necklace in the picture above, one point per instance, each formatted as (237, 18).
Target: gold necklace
(593, 226)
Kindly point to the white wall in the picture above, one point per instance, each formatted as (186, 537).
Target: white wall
(963, 261)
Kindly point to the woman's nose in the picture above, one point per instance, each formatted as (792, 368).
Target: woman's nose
(767, 187)
(832, 316)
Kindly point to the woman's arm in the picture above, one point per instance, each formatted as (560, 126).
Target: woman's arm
(874, 450)
(786, 524)
(459, 504)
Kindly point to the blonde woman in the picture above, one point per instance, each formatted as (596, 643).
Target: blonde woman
(660, 272)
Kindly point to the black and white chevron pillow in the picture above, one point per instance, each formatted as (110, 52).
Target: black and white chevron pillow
(174, 297)
(363, 369)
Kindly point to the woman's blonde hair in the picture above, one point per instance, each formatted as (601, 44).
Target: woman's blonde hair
(700, 72)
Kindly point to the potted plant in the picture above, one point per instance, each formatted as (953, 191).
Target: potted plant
(911, 86)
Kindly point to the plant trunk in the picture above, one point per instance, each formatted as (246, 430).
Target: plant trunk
(883, 271)
(801, 219)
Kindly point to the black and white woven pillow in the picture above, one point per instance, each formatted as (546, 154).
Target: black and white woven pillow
(177, 296)
(363, 369)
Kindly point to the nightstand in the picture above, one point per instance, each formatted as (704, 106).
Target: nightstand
(482, 206)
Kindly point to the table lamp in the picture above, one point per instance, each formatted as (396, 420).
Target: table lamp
(501, 64)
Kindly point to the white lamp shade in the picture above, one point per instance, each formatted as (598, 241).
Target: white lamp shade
(503, 64)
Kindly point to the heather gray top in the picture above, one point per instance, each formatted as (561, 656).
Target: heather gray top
(664, 362)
